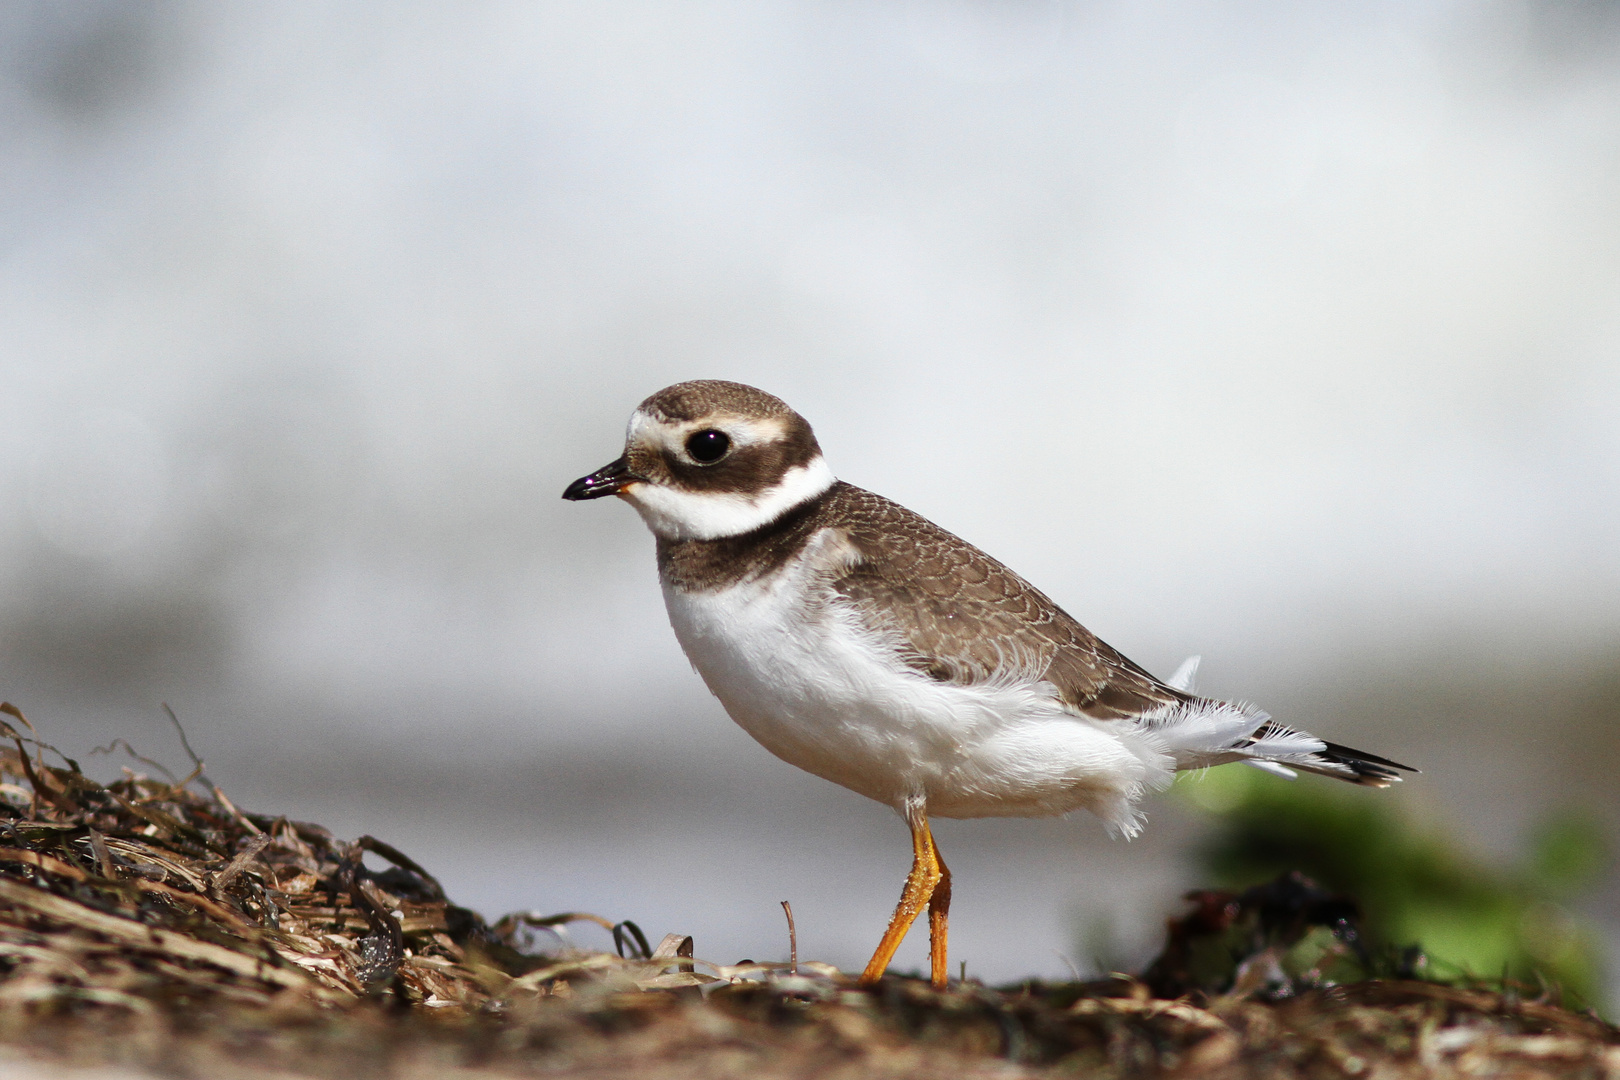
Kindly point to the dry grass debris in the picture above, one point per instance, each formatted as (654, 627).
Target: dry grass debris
(152, 923)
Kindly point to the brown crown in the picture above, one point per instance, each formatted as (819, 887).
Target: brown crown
(705, 397)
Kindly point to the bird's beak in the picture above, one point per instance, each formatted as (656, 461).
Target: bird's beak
(610, 479)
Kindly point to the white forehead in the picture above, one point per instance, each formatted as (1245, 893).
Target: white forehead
(659, 432)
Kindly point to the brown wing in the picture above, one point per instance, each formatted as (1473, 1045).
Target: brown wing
(966, 618)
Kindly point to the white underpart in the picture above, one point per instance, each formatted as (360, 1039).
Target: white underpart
(677, 514)
(799, 672)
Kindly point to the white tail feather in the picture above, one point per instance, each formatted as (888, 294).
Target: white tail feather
(1273, 768)
(1185, 675)
(1203, 732)
(1285, 744)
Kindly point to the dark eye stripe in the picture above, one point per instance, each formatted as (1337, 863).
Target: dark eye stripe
(708, 446)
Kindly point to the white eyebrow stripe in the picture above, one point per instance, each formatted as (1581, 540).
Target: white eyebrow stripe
(653, 433)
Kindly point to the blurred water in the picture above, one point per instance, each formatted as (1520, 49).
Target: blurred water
(1285, 334)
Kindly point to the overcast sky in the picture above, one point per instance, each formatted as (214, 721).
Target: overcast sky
(1272, 332)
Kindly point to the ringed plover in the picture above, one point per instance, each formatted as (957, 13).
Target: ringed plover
(865, 644)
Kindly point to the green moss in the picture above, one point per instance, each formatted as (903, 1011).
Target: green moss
(1415, 885)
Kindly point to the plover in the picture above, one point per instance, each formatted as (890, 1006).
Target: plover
(865, 644)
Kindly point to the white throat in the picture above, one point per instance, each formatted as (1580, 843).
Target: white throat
(677, 514)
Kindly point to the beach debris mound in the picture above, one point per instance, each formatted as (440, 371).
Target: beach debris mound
(152, 922)
(144, 890)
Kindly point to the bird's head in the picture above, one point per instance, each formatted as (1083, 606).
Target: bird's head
(708, 459)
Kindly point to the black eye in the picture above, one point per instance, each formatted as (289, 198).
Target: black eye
(708, 446)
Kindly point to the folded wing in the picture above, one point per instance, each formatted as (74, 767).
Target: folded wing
(965, 618)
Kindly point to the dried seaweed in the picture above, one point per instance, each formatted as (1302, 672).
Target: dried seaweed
(152, 922)
(156, 870)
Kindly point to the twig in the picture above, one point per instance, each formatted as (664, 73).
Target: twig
(42, 861)
(230, 807)
(628, 934)
(123, 744)
(548, 922)
(238, 864)
(793, 940)
(140, 936)
(104, 862)
(11, 710)
(192, 754)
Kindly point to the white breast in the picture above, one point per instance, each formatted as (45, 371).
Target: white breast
(795, 668)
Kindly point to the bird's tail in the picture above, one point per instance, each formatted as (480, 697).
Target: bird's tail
(1204, 731)
(1356, 766)
(1280, 750)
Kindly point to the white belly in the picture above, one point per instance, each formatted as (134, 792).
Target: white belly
(819, 691)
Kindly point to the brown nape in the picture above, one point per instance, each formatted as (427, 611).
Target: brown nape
(705, 397)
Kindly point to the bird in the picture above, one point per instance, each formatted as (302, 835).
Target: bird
(867, 645)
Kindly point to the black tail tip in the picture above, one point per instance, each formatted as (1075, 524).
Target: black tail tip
(1367, 769)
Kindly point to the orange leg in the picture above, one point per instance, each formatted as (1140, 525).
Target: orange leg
(939, 910)
(927, 872)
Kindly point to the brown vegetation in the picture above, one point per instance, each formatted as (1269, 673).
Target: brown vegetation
(150, 922)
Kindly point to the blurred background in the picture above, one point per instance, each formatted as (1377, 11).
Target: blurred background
(1283, 333)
